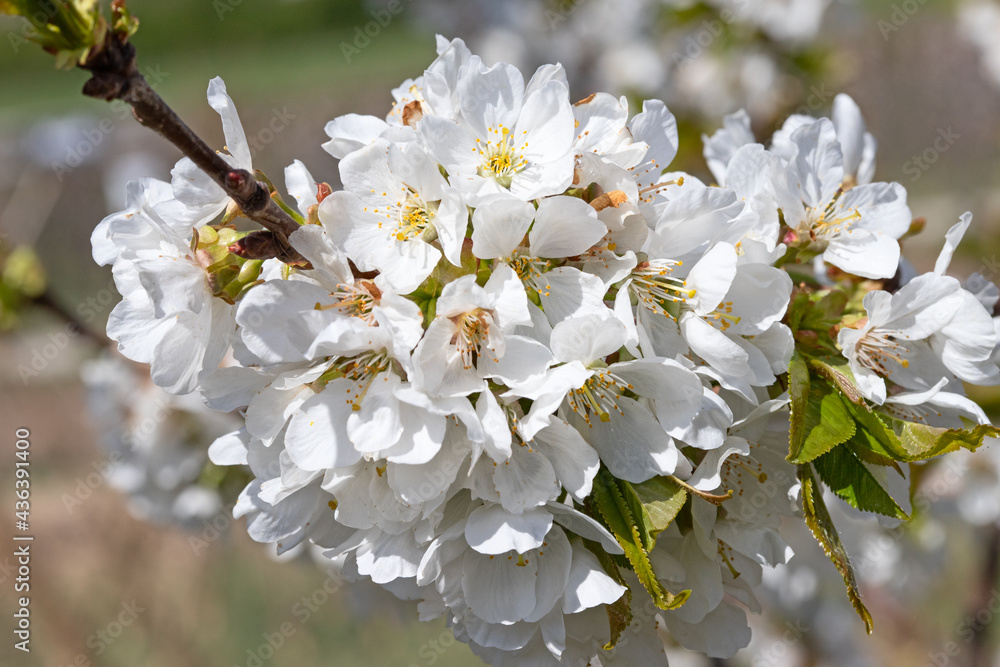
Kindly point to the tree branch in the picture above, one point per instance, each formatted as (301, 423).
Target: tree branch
(115, 76)
(47, 301)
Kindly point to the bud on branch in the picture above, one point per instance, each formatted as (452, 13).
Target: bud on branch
(110, 58)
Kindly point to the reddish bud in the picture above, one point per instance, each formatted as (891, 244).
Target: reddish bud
(258, 245)
(323, 190)
(238, 179)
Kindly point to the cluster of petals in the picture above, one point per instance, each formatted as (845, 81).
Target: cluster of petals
(510, 293)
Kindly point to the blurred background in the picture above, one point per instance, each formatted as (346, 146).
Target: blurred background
(136, 558)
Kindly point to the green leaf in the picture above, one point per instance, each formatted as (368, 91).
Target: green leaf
(619, 616)
(812, 317)
(797, 310)
(907, 441)
(798, 392)
(873, 442)
(868, 449)
(655, 502)
(620, 611)
(843, 471)
(818, 519)
(827, 423)
(618, 516)
(824, 311)
(838, 373)
(920, 441)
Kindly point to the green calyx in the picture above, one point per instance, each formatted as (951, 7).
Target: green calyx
(73, 30)
(229, 275)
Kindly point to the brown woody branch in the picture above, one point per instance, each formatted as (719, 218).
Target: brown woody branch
(49, 302)
(115, 76)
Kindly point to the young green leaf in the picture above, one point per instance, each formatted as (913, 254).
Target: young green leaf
(620, 520)
(827, 422)
(920, 441)
(824, 310)
(797, 310)
(838, 373)
(867, 448)
(910, 441)
(655, 503)
(818, 519)
(812, 318)
(798, 392)
(846, 475)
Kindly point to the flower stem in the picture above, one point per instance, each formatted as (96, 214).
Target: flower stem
(115, 76)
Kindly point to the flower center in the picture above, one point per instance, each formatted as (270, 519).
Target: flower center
(414, 217)
(530, 270)
(361, 370)
(656, 289)
(472, 333)
(722, 316)
(830, 222)
(355, 300)
(878, 349)
(501, 157)
(598, 397)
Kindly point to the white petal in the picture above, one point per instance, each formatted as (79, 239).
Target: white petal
(301, 185)
(389, 557)
(850, 129)
(351, 132)
(564, 227)
(708, 477)
(819, 162)
(585, 526)
(713, 346)
(497, 589)
(499, 224)
(554, 560)
(722, 146)
(865, 254)
(589, 585)
(568, 292)
(230, 449)
(450, 221)
(711, 278)
(525, 480)
(494, 420)
(586, 338)
(405, 265)
(317, 433)
(655, 126)
(236, 139)
(575, 462)
(376, 426)
(493, 530)
(632, 444)
(511, 302)
(951, 240)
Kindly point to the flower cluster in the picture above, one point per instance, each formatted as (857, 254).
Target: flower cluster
(154, 442)
(704, 58)
(541, 384)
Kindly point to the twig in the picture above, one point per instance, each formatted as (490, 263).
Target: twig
(987, 587)
(115, 76)
(46, 300)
